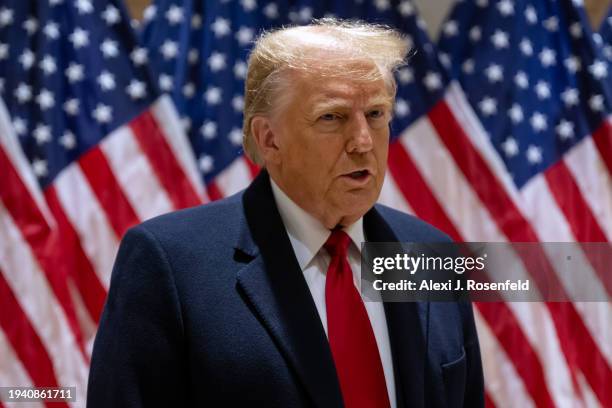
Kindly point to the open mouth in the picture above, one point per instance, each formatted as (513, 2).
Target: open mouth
(358, 175)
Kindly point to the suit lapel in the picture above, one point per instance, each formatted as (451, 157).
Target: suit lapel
(273, 283)
(406, 323)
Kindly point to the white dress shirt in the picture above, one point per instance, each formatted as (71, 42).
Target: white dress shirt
(307, 236)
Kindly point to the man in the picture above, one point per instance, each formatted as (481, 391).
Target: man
(251, 301)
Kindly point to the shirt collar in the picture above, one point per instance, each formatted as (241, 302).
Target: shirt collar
(307, 234)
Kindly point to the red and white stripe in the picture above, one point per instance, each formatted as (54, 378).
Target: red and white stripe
(58, 246)
(448, 172)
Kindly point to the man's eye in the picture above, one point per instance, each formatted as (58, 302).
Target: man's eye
(376, 114)
(329, 117)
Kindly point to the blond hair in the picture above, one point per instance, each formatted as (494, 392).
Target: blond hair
(319, 48)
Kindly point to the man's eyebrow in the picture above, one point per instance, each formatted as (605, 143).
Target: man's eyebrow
(336, 102)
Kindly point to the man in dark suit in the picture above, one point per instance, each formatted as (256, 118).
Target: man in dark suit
(253, 300)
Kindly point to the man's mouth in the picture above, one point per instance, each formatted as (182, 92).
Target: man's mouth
(359, 174)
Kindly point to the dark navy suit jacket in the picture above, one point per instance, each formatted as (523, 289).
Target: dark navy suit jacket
(208, 307)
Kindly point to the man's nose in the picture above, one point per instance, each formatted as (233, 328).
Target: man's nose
(360, 135)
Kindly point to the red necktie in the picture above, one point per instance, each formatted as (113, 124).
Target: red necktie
(350, 334)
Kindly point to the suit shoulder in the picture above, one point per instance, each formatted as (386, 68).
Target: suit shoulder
(409, 228)
(218, 218)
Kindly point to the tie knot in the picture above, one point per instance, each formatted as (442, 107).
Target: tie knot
(337, 243)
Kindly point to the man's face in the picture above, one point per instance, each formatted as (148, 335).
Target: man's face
(332, 139)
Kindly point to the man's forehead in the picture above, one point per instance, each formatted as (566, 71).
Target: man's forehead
(347, 91)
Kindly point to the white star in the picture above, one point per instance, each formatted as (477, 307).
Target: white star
(109, 48)
(169, 49)
(68, 140)
(106, 80)
(4, 51)
(47, 64)
(84, 6)
(451, 28)
(244, 36)
(51, 30)
(30, 25)
(516, 113)
(216, 61)
(20, 126)
(238, 103)
(576, 30)
(55, 2)
(510, 147)
(530, 15)
(209, 130)
(111, 15)
(534, 154)
(149, 13)
(42, 134)
(599, 69)
(548, 57)
(405, 8)
(500, 39)
(136, 89)
(271, 11)
(607, 50)
(74, 72)
(139, 56)
(186, 122)
(240, 70)
(174, 15)
(482, 3)
(193, 56)
(6, 16)
(506, 8)
(565, 129)
(401, 108)
(103, 113)
(551, 23)
(189, 90)
(206, 163)
(570, 97)
(597, 38)
(213, 95)
(23, 93)
(235, 136)
(432, 81)
(468, 66)
(526, 47)
(488, 106)
(221, 27)
(196, 21)
(45, 99)
(405, 75)
(27, 59)
(303, 16)
(596, 103)
(494, 73)
(248, 5)
(79, 38)
(71, 106)
(40, 167)
(521, 80)
(542, 89)
(573, 64)
(538, 122)
(381, 5)
(444, 59)
(475, 33)
(166, 83)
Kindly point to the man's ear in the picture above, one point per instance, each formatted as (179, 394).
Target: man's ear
(265, 138)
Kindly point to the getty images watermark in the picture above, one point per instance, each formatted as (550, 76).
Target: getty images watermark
(552, 272)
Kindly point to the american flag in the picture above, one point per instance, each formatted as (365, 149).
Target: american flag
(540, 167)
(605, 31)
(88, 148)
(446, 165)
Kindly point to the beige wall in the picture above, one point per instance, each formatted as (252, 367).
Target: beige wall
(433, 11)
